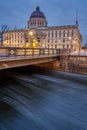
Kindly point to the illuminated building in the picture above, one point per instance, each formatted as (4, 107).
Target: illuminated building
(39, 34)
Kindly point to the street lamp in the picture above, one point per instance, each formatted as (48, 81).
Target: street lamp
(30, 33)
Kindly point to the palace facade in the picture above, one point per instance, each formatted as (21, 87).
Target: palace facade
(39, 34)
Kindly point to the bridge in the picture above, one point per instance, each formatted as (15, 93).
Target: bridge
(11, 57)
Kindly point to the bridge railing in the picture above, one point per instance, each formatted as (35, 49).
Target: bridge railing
(16, 51)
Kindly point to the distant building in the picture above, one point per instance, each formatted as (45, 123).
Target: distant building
(39, 34)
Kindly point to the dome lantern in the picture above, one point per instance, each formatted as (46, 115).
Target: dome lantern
(37, 8)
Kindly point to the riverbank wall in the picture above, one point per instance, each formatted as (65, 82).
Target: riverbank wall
(74, 63)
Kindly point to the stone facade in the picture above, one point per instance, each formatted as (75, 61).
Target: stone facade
(39, 34)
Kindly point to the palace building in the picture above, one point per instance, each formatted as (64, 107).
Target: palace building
(39, 34)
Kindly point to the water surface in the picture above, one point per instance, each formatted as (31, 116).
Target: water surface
(35, 99)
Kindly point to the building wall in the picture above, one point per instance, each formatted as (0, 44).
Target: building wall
(14, 38)
(66, 37)
(62, 37)
(39, 22)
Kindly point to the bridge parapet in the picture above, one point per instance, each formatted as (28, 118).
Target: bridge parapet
(13, 51)
(17, 57)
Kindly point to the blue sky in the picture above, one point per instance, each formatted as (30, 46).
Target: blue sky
(15, 13)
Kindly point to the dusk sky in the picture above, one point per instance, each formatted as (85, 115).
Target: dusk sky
(15, 13)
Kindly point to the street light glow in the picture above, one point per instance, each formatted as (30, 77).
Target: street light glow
(30, 33)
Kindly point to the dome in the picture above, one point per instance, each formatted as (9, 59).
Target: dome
(37, 14)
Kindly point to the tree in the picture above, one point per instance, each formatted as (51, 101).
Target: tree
(3, 29)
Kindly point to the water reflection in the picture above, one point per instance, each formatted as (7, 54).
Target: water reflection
(45, 100)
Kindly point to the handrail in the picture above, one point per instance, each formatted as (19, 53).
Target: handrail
(20, 51)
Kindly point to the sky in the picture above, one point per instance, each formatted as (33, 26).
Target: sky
(16, 13)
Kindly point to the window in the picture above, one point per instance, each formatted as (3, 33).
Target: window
(7, 36)
(52, 33)
(68, 33)
(12, 35)
(60, 34)
(21, 35)
(63, 46)
(56, 34)
(72, 33)
(55, 46)
(38, 39)
(15, 35)
(18, 35)
(64, 33)
(52, 41)
(55, 41)
(71, 46)
(63, 40)
(48, 40)
(48, 34)
(67, 46)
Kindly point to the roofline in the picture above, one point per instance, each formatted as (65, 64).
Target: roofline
(63, 26)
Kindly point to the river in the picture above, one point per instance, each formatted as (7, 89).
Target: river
(37, 99)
